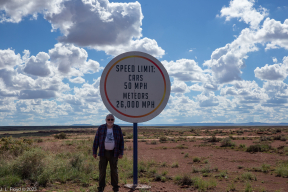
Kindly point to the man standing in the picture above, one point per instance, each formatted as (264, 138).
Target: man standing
(109, 139)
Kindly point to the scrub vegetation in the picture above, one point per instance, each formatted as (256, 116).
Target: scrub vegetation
(195, 158)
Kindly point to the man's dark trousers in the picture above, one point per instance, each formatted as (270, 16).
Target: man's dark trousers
(108, 157)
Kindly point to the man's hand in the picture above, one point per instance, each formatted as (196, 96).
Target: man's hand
(95, 156)
(120, 156)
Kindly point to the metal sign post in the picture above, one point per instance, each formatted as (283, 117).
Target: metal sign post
(135, 155)
(135, 87)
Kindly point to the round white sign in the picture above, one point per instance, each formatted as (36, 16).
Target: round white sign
(135, 87)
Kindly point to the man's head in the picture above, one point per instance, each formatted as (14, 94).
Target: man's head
(110, 119)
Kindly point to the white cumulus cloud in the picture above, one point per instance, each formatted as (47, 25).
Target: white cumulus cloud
(38, 65)
(277, 72)
(207, 99)
(8, 58)
(15, 10)
(72, 61)
(244, 11)
(79, 80)
(179, 87)
(185, 70)
(111, 27)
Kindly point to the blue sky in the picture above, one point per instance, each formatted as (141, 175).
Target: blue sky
(227, 60)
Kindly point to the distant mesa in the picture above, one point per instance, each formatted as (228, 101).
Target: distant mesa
(219, 124)
(199, 124)
(82, 125)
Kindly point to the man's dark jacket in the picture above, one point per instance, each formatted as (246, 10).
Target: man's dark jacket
(99, 140)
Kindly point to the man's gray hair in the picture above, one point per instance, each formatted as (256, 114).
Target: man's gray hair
(110, 115)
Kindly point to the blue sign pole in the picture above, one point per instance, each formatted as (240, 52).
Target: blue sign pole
(135, 155)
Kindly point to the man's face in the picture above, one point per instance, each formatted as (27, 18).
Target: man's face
(110, 120)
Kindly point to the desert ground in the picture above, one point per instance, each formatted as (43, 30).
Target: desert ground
(169, 159)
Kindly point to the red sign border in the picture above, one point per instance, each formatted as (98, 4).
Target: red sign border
(109, 99)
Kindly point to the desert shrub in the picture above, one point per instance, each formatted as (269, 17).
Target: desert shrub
(39, 140)
(231, 187)
(61, 135)
(70, 142)
(30, 164)
(151, 163)
(87, 167)
(163, 179)
(177, 179)
(44, 167)
(239, 166)
(163, 164)
(265, 168)
(282, 169)
(158, 177)
(264, 138)
(163, 139)
(277, 137)
(248, 176)
(242, 146)
(184, 180)
(278, 130)
(231, 137)
(222, 174)
(141, 168)
(259, 148)
(10, 181)
(56, 136)
(203, 185)
(240, 132)
(182, 139)
(44, 178)
(5, 168)
(192, 140)
(153, 142)
(181, 132)
(76, 161)
(153, 171)
(248, 188)
(196, 159)
(227, 142)
(213, 139)
(206, 169)
(15, 146)
(205, 174)
(129, 136)
(186, 155)
(175, 165)
(283, 138)
(195, 169)
(28, 141)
